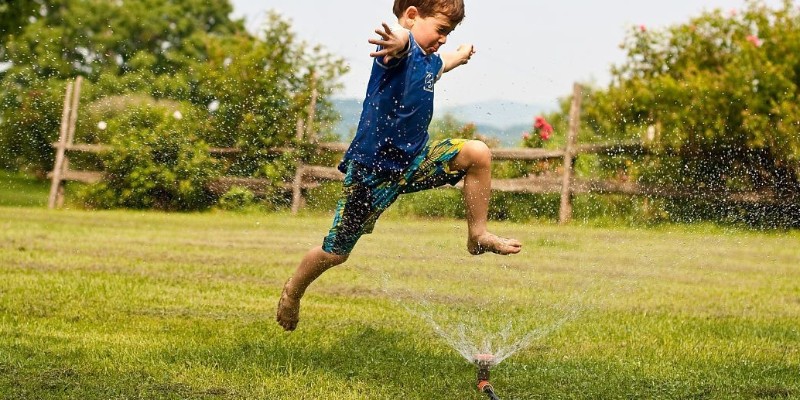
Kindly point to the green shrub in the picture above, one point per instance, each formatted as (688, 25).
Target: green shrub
(521, 207)
(324, 197)
(236, 198)
(593, 208)
(156, 162)
(779, 215)
(448, 203)
(432, 203)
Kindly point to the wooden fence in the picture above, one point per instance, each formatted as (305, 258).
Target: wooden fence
(309, 176)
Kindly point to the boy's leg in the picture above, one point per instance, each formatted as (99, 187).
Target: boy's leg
(356, 212)
(315, 262)
(475, 159)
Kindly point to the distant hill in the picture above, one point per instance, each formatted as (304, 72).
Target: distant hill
(499, 113)
(510, 136)
(501, 119)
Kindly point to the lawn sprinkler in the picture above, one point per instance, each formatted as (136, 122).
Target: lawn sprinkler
(484, 363)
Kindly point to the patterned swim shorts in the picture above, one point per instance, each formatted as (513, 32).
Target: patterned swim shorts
(366, 195)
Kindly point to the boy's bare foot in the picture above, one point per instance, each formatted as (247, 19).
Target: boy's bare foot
(493, 243)
(288, 310)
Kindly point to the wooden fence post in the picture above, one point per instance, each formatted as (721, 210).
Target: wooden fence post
(73, 122)
(565, 212)
(297, 183)
(305, 131)
(66, 136)
(55, 184)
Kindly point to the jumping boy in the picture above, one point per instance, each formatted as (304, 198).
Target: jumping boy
(390, 154)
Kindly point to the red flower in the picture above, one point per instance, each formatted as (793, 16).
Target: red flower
(545, 129)
(754, 40)
(545, 135)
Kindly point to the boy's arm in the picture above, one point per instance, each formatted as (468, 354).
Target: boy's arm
(459, 57)
(394, 42)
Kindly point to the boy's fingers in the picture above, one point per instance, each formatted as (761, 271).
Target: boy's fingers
(385, 33)
(386, 40)
(382, 52)
(382, 34)
(383, 48)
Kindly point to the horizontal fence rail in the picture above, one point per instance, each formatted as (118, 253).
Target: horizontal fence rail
(310, 176)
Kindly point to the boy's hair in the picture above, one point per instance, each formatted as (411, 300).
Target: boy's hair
(452, 9)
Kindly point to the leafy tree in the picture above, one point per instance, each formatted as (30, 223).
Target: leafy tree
(90, 38)
(14, 14)
(716, 97)
(251, 90)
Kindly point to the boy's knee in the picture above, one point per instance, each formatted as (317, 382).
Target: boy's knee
(478, 153)
(473, 154)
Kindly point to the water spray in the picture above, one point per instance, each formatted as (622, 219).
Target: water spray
(484, 363)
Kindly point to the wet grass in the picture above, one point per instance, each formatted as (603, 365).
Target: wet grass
(123, 305)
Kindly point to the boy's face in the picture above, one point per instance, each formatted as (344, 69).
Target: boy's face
(431, 32)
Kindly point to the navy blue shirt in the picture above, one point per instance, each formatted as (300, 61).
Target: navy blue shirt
(397, 110)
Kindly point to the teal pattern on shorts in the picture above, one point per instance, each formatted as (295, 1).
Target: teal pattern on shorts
(366, 195)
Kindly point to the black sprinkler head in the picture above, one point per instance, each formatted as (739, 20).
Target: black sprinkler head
(484, 363)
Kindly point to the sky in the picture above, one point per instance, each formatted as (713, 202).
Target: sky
(528, 51)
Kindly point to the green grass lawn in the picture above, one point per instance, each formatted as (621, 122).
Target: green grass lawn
(17, 189)
(124, 305)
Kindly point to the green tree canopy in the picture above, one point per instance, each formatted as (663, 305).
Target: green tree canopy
(252, 88)
(14, 14)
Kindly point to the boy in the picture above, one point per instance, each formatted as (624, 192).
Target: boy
(390, 154)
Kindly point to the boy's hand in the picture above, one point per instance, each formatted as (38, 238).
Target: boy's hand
(465, 52)
(461, 56)
(392, 42)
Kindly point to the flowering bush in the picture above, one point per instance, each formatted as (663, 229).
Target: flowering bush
(542, 132)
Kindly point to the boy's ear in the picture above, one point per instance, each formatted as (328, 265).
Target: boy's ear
(411, 13)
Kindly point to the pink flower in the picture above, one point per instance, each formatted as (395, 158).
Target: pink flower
(545, 134)
(526, 135)
(642, 28)
(754, 40)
